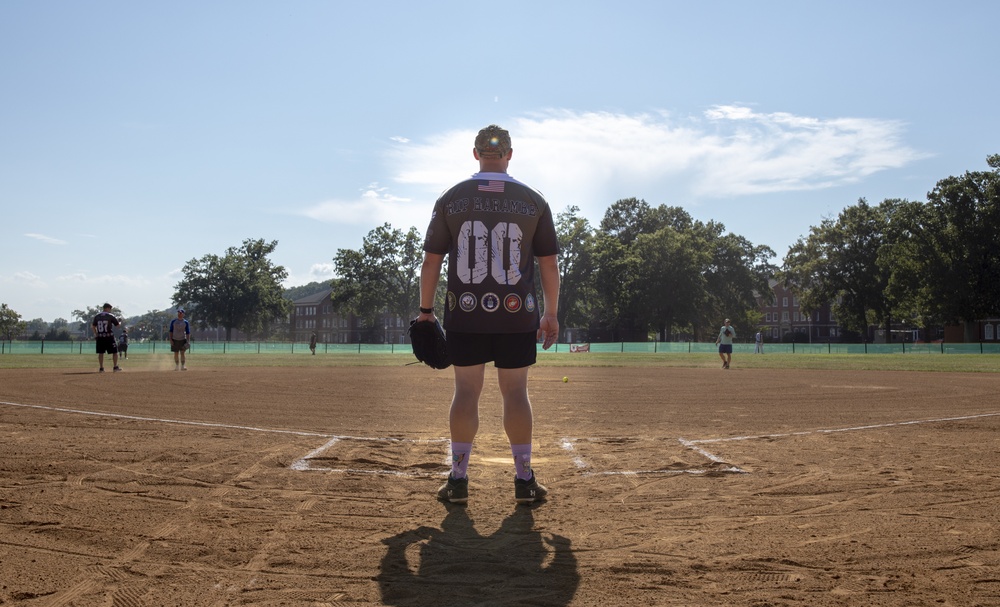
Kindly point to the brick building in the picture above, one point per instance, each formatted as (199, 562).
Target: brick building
(315, 314)
(783, 318)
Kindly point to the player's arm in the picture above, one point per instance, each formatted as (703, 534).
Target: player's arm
(548, 327)
(430, 274)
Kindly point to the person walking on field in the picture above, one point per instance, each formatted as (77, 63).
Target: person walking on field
(758, 341)
(725, 343)
(492, 228)
(103, 327)
(312, 344)
(180, 340)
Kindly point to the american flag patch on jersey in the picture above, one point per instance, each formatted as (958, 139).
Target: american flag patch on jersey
(491, 186)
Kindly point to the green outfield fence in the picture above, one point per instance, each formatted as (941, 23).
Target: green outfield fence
(277, 347)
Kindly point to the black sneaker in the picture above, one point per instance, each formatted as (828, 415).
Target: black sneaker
(101, 370)
(527, 491)
(117, 369)
(456, 490)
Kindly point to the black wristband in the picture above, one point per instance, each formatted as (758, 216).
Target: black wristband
(426, 310)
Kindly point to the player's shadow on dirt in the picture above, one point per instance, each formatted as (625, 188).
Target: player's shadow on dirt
(458, 567)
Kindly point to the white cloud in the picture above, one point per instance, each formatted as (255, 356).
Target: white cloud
(46, 239)
(321, 271)
(373, 206)
(28, 279)
(592, 159)
(106, 279)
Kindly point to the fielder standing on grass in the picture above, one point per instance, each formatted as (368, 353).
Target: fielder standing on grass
(180, 340)
(492, 228)
(103, 327)
(725, 343)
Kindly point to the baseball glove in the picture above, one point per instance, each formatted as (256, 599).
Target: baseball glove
(187, 346)
(428, 342)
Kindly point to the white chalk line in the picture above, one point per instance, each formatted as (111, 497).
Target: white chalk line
(299, 465)
(568, 444)
(916, 422)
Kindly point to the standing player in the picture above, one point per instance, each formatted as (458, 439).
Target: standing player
(492, 228)
(103, 327)
(180, 340)
(725, 343)
(123, 343)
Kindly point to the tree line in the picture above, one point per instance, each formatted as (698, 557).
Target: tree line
(655, 272)
(926, 263)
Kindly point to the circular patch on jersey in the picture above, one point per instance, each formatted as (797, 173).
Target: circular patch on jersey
(491, 303)
(529, 302)
(451, 300)
(512, 303)
(467, 302)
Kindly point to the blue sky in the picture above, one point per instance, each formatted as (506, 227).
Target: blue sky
(135, 137)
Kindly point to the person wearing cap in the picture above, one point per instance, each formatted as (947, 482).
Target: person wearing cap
(103, 327)
(493, 228)
(180, 340)
(725, 343)
(123, 343)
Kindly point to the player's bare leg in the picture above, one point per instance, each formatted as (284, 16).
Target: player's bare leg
(464, 416)
(518, 421)
(517, 414)
(464, 424)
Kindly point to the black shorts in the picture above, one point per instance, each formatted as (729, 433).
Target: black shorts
(505, 350)
(107, 345)
(177, 345)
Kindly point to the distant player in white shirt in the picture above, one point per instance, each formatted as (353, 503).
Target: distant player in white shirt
(725, 342)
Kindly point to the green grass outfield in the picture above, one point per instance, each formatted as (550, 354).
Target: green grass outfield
(946, 363)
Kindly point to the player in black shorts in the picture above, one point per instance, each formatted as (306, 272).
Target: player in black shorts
(493, 228)
(104, 332)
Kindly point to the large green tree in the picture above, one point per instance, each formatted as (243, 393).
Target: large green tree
(735, 278)
(958, 247)
(658, 270)
(577, 295)
(11, 324)
(239, 290)
(380, 278)
(847, 262)
(670, 279)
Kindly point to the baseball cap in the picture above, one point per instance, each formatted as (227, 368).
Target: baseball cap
(493, 141)
(180, 310)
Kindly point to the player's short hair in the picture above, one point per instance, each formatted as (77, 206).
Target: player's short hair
(107, 306)
(493, 142)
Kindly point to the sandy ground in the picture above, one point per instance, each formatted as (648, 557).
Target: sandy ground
(315, 486)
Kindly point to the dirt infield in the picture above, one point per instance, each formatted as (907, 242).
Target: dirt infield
(674, 486)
